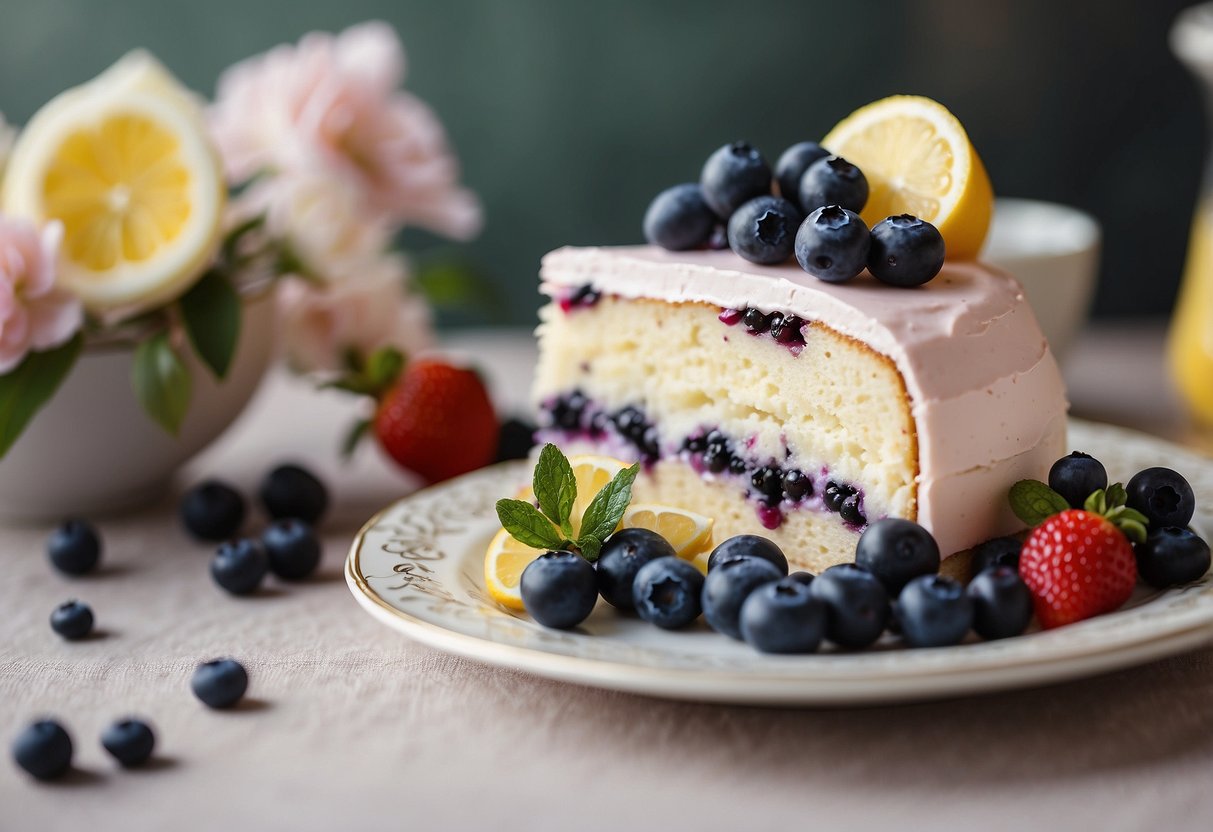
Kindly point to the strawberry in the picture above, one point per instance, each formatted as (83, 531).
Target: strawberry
(1077, 563)
(437, 421)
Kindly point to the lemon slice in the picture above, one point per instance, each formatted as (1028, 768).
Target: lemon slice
(504, 561)
(126, 164)
(592, 472)
(689, 533)
(918, 160)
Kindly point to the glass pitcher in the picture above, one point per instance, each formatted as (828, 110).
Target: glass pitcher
(1190, 345)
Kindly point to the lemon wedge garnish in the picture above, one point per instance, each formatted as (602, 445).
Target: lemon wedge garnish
(689, 533)
(592, 472)
(504, 561)
(918, 160)
(125, 163)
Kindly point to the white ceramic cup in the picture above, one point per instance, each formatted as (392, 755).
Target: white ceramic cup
(1053, 251)
(93, 450)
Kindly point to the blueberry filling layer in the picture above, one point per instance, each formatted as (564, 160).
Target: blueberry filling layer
(784, 329)
(775, 487)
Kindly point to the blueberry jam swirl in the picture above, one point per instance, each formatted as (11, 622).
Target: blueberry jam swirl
(773, 487)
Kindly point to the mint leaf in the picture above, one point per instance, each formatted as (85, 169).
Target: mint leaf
(30, 385)
(1034, 502)
(161, 382)
(606, 509)
(526, 525)
(590, 547)
(211, 312)
(555, 486)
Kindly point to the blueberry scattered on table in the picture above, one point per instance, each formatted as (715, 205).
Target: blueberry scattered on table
(934, 611)
(783, 617)
(668, 592)
(1076, 477)
(74, 548)
(239, 566)
(832, 244)
(1002, 603)
(219, 683)
(290, 491)
(790, 168)
(1163, 496)
(559, 589)
(999, 551)
(292, 549)
(72, 620)
(749, 545)
(129, 741)
(622, 556)
(732, 176)
(857, 605)
(678, 219)
(763, 230)
(728, 584)
(1170, 556)
(44, 750)
(896, 550)
(905, 251)
(212, 510)
(833, 180)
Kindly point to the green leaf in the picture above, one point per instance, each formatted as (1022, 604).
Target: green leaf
(1116, 495)
(30, 385)
(211, 312)
(354, 436)
(606, 509)
(590, 547)
(1034, 502)
(161, 382)
(555, 486)
(526, 525)
(232, 241)
(1097, 503)
(383, 368)
(1133, 530)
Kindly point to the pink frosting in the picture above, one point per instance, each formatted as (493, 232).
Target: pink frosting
(985, 393)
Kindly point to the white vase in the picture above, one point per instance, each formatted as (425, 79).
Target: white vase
(93, 450)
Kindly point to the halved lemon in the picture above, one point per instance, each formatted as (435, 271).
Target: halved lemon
(125, 163)
(918, 160)
(504, 561)
(689, 533)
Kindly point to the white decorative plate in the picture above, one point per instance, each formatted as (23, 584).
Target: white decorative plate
(417, 567)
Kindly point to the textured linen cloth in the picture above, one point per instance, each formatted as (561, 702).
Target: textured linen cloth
(349, 725)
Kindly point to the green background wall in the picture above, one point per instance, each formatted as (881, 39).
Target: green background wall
(569, 115)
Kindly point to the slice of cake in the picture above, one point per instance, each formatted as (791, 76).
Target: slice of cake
(802, 410)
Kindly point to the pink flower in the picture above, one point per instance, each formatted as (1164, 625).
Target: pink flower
(34, 313)
(368, 308)
(330, 105)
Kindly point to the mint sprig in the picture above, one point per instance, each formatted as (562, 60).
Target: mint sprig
(550, 525)
(1034, 502)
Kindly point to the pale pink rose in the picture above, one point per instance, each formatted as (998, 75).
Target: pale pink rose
(369, 308)
(331, 105)
(34, 313)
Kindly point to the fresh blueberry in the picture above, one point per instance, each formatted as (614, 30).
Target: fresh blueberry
(805, 578)
(74, 548)
(667, 592)
(833, 181)
(72, 620)
(212, 510)
(752, 546)
(1163, 496)
(717, 457)
(129, 741)
(44, 750)
(756, 321)
(738, 465)
(559, 589)
(851, 510)
(792, 164)
(1170, 556)
(1002, 603)
(835, 495)
(239, 566)
(622, 556)
(732, 176)
(292, 549)
(763, 230)
(219, 683)
(896, 550)
(768, 482)
(729, 584)
(933, 611)
(292, 491)
(832, 244)
(1001, 551)
(1076, 477)
(796, 485)
(857, 605)
(783, 617)
(515, 438)
(905, 251)
(678, 219)
(789, 329)
(568, 411)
